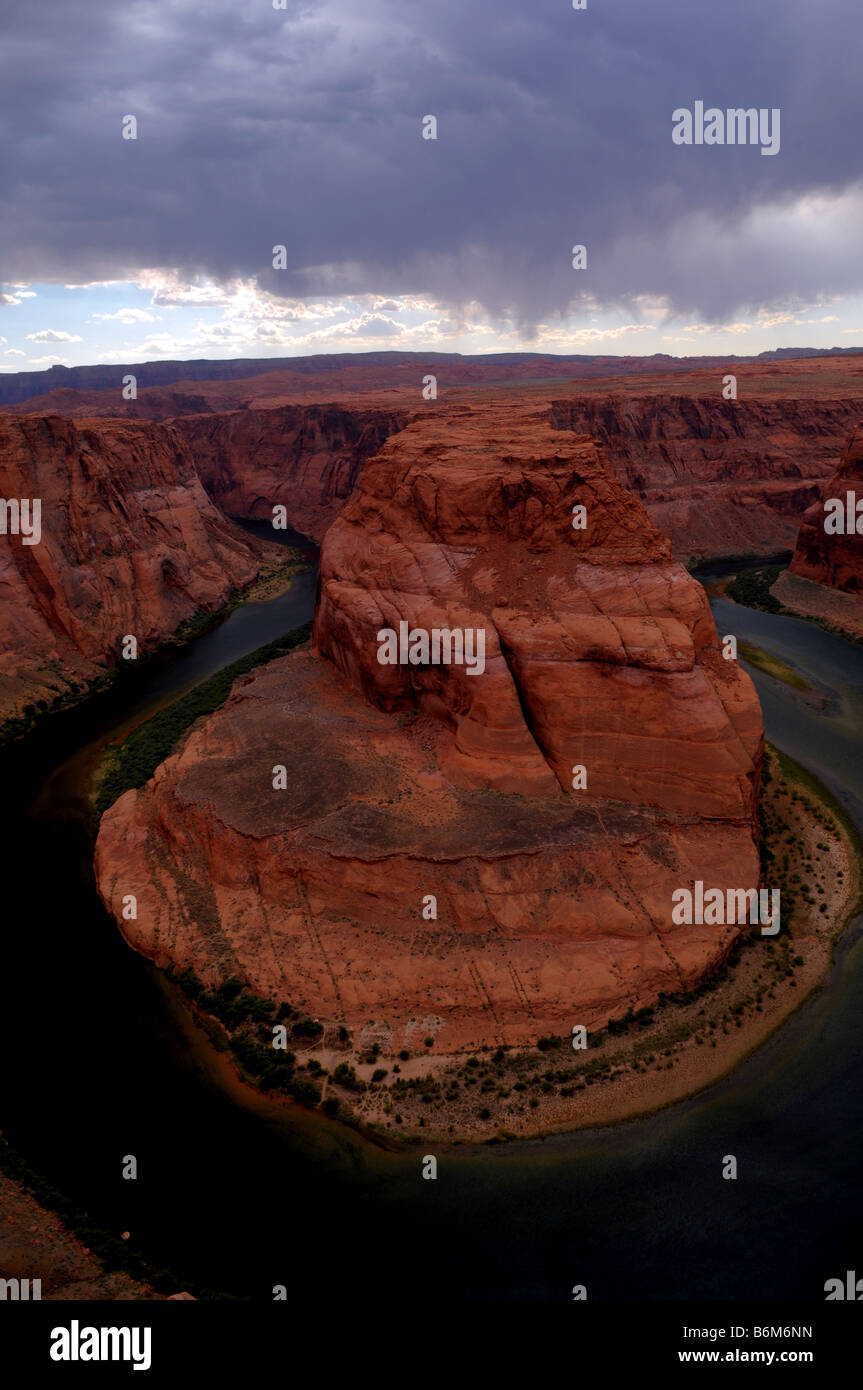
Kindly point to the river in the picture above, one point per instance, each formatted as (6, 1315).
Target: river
(236, 1195)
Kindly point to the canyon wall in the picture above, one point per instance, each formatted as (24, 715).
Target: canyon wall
(827, 557)
(130, 543)
(306, 458)
(399, 848)
(718, 477)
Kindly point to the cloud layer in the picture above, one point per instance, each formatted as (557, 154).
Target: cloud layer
(304, 127)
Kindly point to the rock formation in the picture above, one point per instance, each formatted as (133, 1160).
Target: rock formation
(130, 544)
(718, 477)
(835, 557)
(307, 458)
(427, 868)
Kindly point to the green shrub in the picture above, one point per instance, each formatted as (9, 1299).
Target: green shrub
(304, 1092)
(344, 1075)
(307, 1028)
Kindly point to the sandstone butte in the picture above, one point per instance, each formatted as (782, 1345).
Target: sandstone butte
(553, 906)
(131, 543)
(824, 558)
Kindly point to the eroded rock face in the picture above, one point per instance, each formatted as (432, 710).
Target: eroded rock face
(409, 786)
(835, 557)
(130, 543)
(718, 477)
(599, 649)
(306, 458)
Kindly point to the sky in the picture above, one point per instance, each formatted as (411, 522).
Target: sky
(303, 127)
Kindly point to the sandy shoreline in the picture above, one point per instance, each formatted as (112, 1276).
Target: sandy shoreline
(837, 612)
(840, 612)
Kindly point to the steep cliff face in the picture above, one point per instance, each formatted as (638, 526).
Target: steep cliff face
(306, 458)
(718, 477)
(425, 863)
(598, 647)
(829, 549)
(130, 544)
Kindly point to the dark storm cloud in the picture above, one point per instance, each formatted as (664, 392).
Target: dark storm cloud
(302, 127)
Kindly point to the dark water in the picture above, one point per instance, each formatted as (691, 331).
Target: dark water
(98, 1065)
(827, 740)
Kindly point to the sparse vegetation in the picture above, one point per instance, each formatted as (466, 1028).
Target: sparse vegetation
(772, 666)
(137, 758)
(752, 588)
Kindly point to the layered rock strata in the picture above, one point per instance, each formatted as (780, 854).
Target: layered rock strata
(718, 477)
(428, 868)
(829, 547)
(129, 544)
(305, 458)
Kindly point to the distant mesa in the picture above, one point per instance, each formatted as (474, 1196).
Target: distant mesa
(718, 477)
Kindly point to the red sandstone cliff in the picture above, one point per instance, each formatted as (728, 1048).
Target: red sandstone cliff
(719, 477)
(130, 543)
(307, 458)
(832, 557)
(553, 905)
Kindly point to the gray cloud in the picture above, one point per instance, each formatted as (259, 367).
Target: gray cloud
(303, 127)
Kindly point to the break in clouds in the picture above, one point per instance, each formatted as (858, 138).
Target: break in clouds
(303, 127)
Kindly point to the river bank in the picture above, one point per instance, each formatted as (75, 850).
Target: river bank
(35, 1244)
(834, 610)
(279, 568)
(772, 588)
